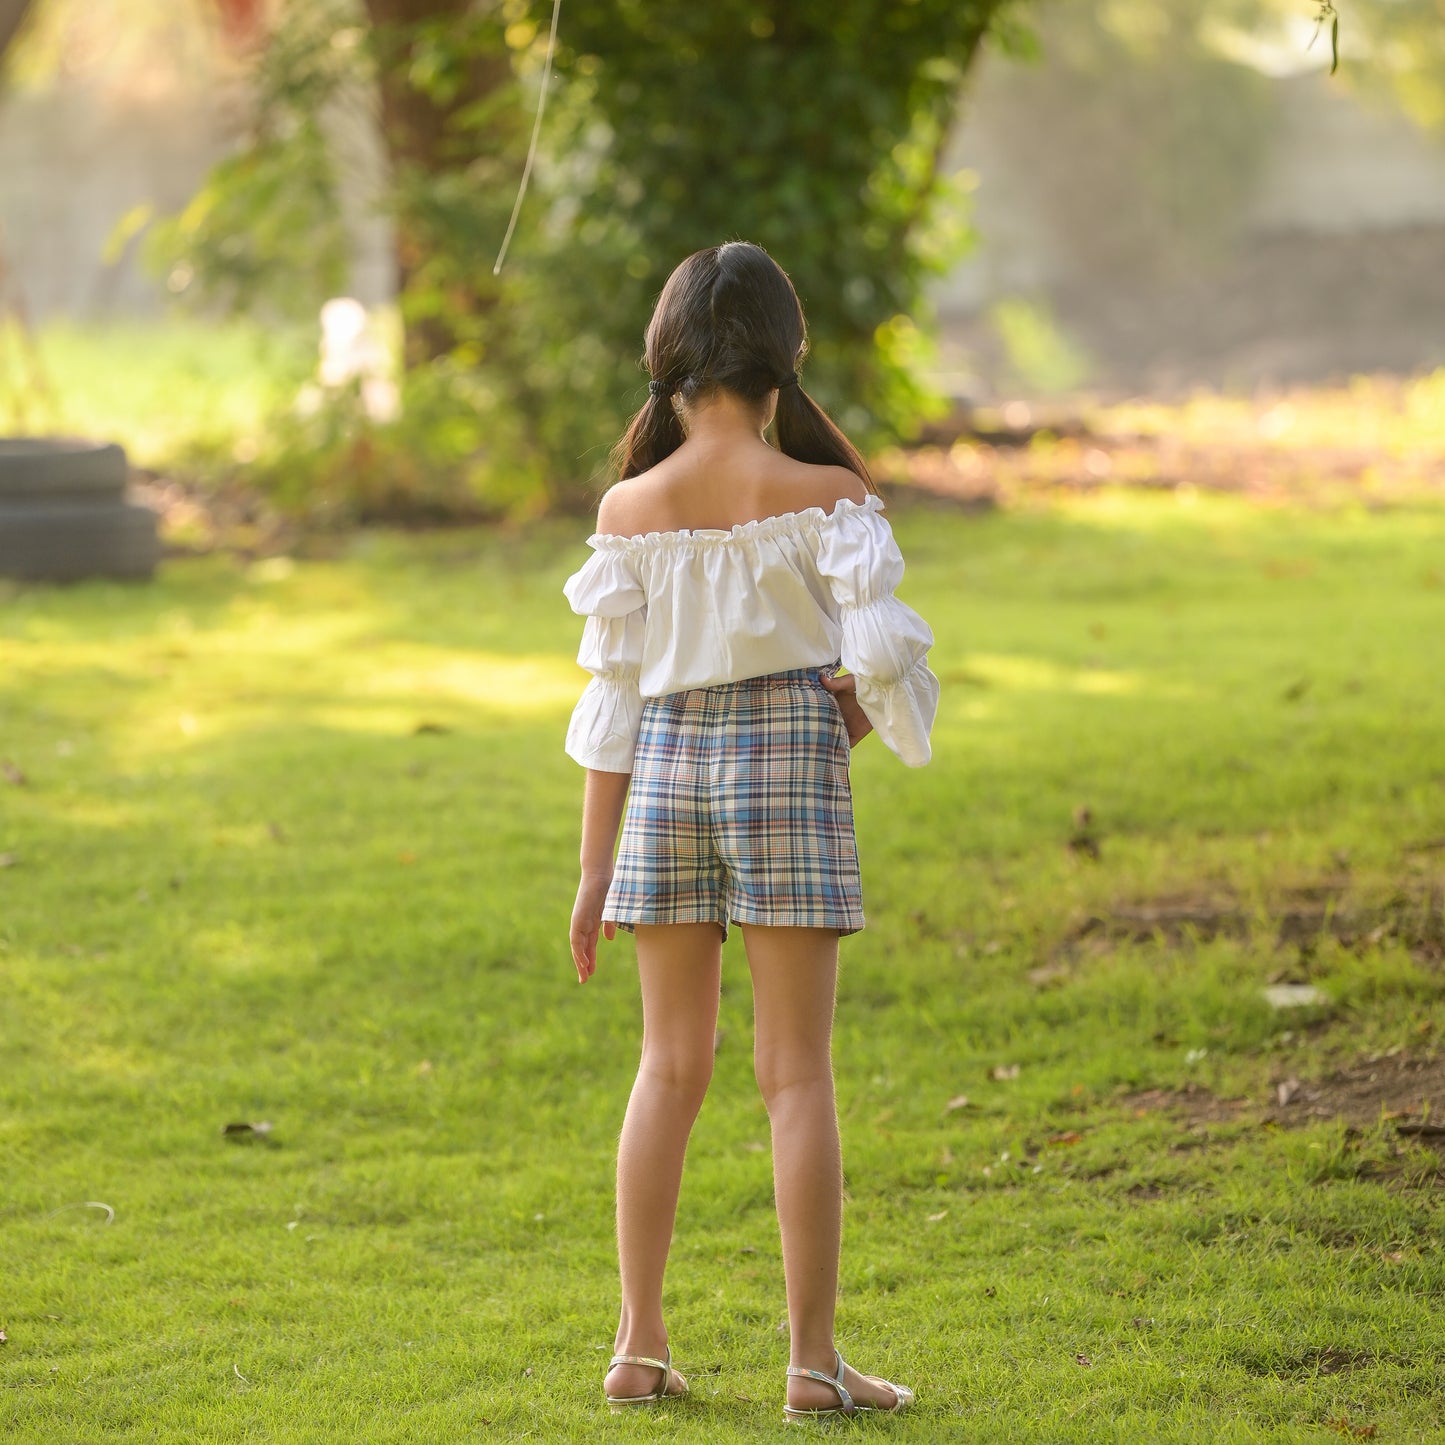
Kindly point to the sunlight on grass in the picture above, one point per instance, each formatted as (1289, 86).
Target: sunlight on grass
(1033, 674)
(107, 1061)
(122, 381)
(229, 950)
(105, 814)
(1370, 414)
(507, 686)
(192, 683)
(242, 835)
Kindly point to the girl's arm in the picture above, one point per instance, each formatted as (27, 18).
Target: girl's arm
(602, 806)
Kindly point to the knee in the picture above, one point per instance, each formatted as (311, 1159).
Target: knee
(780, 1071)
(685, 1076)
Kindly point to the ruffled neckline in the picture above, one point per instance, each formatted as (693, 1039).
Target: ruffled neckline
(779, 524)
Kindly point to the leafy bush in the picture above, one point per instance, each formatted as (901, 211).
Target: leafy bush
(814, 128)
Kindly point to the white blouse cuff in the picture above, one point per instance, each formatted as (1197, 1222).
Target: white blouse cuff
(902, 712)
(605, 723)
(885, 645)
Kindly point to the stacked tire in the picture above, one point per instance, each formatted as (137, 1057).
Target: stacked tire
(64, 514)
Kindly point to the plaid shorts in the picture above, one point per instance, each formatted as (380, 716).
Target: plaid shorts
(740, 808)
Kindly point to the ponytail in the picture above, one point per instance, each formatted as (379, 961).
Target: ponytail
(654, 433)
(808, 434)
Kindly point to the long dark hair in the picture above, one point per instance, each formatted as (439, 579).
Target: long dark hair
(728, 318)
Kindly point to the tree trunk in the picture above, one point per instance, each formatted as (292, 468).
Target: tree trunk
(425, 136)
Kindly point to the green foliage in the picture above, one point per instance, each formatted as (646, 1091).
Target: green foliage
(454, 450)
(1401, 50)
(814, 129)
(265, 232)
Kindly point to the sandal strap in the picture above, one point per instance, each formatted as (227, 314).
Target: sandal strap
(665, 1365)
(836, 1380)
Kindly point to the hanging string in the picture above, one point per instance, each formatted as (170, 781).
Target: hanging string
(536, 135)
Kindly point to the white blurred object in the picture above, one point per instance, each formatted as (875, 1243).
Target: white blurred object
(1294, 995)
(348, 348)
(350, 351)
(381, 397)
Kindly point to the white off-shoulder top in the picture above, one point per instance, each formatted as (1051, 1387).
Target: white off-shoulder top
(667, 611)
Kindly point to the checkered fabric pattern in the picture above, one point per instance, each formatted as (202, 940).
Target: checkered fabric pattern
(740, 808)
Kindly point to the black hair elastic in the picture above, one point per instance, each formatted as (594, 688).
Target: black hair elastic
(791, 379)
(661, 388)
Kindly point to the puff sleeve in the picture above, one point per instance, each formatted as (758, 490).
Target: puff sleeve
(885, 642)
(609, 594)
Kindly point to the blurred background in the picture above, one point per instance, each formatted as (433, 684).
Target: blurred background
(999, 215)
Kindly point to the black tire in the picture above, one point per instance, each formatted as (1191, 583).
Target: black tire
(60, 469)
(42, 542)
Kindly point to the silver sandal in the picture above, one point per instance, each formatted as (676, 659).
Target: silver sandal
(627, 1402)
(846, 1405)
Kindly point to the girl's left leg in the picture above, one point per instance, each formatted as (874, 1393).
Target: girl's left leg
(680, 965)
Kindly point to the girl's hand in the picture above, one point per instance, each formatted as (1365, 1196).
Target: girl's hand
(845, 694)
(587, 923)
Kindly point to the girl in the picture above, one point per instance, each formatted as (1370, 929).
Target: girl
(729, 581)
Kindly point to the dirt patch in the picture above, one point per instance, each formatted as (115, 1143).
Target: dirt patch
(977, 469)
(1193, 1104)
(1296, 917)
(977, 473)
(1327, 1362)
(1275, 445)
(1407, 1091)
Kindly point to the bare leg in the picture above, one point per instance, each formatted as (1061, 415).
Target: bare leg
(795, 974)
(680, 966)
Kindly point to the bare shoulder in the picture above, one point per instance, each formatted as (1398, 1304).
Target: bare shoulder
(624, 507)
(843, 483)
(826, 486)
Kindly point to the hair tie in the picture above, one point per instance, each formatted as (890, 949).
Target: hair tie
(661, 388)
(791, 379)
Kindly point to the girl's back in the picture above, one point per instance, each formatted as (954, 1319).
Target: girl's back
(715, 487)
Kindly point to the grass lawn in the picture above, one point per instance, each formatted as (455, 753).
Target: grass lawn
(121, 381)
(296, 844)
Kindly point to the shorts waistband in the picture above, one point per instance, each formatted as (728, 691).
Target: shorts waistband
(771, 679)
(789, 676)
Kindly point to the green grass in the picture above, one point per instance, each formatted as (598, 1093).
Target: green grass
(173, 393)
(248, 883)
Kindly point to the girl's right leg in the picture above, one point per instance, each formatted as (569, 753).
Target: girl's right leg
(795, 975)
(680, 968)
